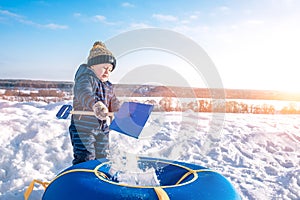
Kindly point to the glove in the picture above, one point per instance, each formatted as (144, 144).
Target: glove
(100, 110)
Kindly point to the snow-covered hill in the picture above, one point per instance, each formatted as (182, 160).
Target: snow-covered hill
(259, 154)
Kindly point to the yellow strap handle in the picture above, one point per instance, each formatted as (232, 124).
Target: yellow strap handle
(191, 172)
(161, 194)
(45, 184)
(31, 185)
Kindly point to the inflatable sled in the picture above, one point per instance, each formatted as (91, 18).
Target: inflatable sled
(178, 180)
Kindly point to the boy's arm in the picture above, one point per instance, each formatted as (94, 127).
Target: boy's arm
(83, 92)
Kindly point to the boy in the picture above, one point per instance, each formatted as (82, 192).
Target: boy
(93, 92)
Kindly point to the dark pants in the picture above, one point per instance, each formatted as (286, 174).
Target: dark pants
(88, 145)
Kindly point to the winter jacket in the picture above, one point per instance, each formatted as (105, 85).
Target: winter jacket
(88, 89)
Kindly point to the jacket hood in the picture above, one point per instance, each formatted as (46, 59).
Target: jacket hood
(84, 70)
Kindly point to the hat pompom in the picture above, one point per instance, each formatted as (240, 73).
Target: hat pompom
(99, 44)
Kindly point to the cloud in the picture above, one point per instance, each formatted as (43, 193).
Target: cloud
(139, 25)
(102, 19)
(193, 17)
(168, 18)
(93, 19)
(224, 9)
(21, 19)
(55, 26)
(9, 14)
(220, 11)
(77, 15)
(127, 5)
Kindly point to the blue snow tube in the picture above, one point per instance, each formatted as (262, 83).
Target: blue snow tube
(178, 180)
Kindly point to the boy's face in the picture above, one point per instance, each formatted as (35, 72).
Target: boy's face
(102, 71)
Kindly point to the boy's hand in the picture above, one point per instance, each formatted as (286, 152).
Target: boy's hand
(100, 110)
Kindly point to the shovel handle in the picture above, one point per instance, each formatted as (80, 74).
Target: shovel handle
(78, 112)
(66, 110)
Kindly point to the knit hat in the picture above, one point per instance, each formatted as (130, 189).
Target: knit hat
(100, 54)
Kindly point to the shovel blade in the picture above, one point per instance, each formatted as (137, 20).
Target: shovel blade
(131, 118)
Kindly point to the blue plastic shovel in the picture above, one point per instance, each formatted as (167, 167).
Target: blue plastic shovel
(129, 120)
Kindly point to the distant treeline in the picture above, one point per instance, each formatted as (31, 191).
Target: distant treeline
(35, 84)
(213, 93)
(207, 105)
(156, 91)
(165, 104)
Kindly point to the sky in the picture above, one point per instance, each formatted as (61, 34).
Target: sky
(253, 44)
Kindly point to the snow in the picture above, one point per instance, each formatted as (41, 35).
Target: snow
(259, 154)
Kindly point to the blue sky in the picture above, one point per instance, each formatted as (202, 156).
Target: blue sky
(253, 43)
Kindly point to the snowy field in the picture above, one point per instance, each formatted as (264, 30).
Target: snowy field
(259, 154)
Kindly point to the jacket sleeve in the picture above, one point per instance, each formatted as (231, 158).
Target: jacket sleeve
(83, 92)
